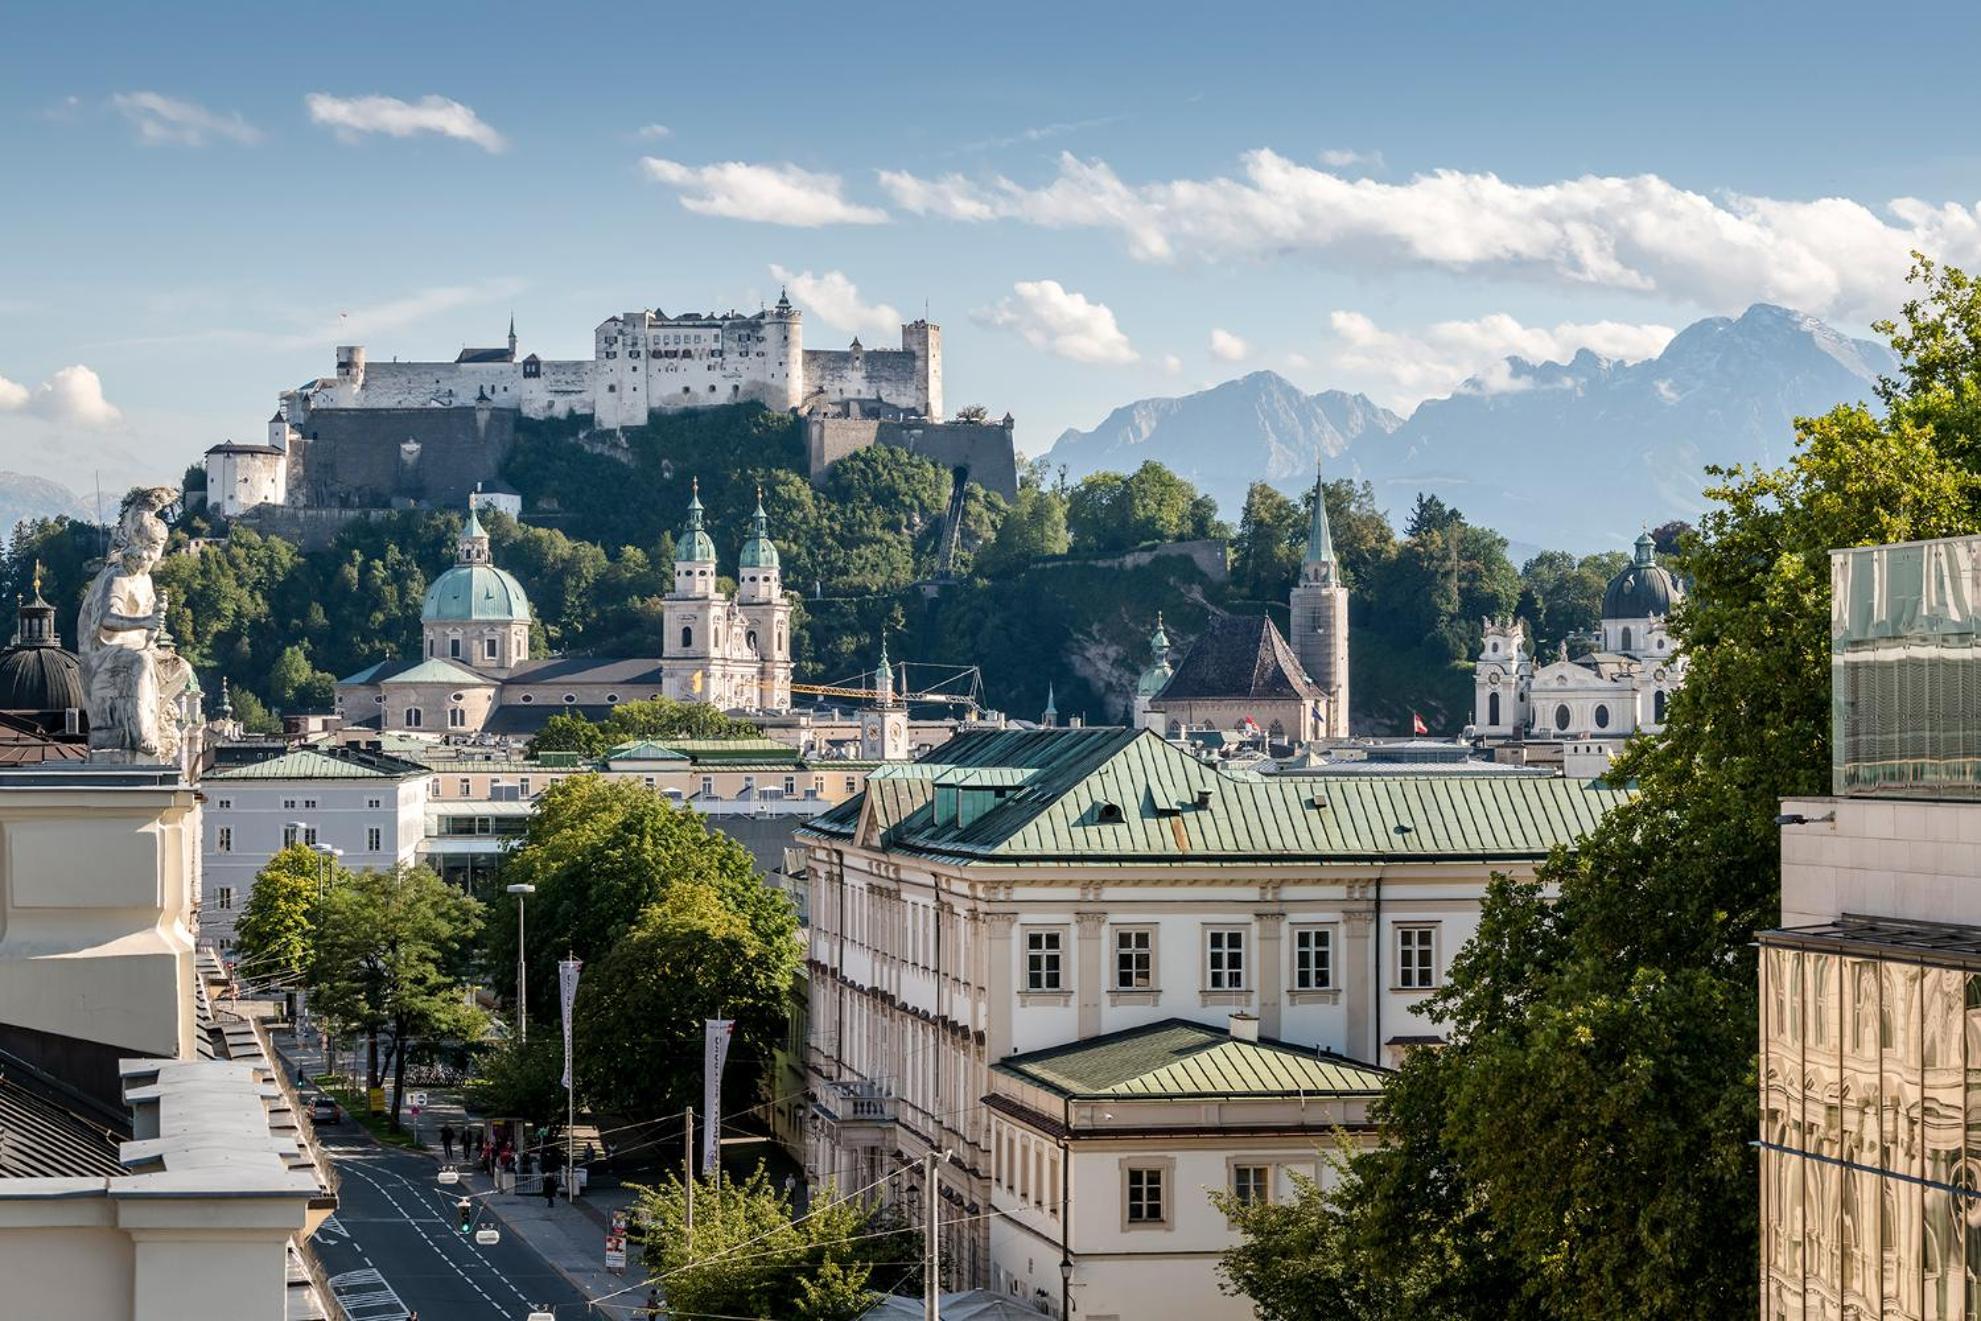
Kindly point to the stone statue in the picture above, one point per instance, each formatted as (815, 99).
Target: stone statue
(133, 678)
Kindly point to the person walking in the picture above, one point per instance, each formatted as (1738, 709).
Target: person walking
(549, 1190)
(447, 1140)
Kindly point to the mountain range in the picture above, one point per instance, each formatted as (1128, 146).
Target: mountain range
(1576, 455)
(23, 496)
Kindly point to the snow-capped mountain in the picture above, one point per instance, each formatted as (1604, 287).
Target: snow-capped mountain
(1576, 455)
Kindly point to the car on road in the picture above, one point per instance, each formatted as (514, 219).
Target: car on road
(324, 1110)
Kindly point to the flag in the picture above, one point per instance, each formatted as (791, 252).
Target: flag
(567, 995)
(715, 1051)
(1417, 725)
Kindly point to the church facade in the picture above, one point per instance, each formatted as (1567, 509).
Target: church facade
(475, 674)
(1619, 686)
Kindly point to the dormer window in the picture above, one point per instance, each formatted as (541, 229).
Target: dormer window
(1109, 814)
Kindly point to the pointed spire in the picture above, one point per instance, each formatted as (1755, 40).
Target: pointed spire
(1052, 708)
(1320, 538)
(884, 678)
(473, 545)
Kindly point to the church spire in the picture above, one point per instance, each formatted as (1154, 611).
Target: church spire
(473, 546)
(884, 679)
(695, 545)
(512, 336)
(1051, 714)
(1320, 538)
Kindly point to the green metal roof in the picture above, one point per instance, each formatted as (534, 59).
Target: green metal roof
(475, 593)
(644, 750)
(731, 749)
(1178, 1059)
(316, 764)
(437, 670)
(1115, 794)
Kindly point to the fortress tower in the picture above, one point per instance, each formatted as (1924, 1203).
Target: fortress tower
(1318, 628)
(924, 339)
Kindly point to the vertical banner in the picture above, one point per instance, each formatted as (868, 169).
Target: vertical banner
(615, 1242)
(715, 1052)
(567, 995)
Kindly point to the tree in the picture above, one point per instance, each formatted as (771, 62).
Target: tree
(1430, 514)
(255, 718)
(1272, 537)
(747, 1256)
(1033, 529)
(521, 1079)
(1107, 511)
(1562, 596)
(974, 414)
(600, 854)
(1585, 1133)
(653, 718)
(639, 1014)
(276, 935)
(392, 954)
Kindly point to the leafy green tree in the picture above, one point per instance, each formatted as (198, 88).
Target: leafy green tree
(1033, 529)
(638, 1020)
(276, 935)
(1430, 514)
(600, 854)
(1107, 511)
(652, 718)
(1585, 1133)
(255, 717)
(296, 685)
(1272, 537)
(570, 732)
(521, 1079)
(392, 955)
(747, 1256)
(1562, 595)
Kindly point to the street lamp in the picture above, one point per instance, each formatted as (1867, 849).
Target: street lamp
(522, 892)
(326, 863)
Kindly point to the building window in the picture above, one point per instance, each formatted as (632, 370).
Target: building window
(435, 788)
(1416, 958)
(223, 803)
(790, 784)
(1134, 959)
(1658, 706)
(687, 636)
(454, 648)
(223, 840)
(1626, 639)
(413, 717)
(523, 786)
(290, 834)
(1224, 959)
(288, 804)
(374, 839)
(456, 718)
(1492, 708)
(488, 648)
(708, 786)
(852, 784)
(374, 803)
(1313, 959)
(1602, 715)
(1042, 959)
(570, 698)
(223, 897)
(1251, 1184)
(1561, 716)
(1144, 1205)
(309, 837)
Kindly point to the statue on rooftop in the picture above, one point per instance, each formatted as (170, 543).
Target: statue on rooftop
(133, 677)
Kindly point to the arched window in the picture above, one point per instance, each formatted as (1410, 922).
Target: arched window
(1602, 716)
(413, 718)
(1626, 637)
(1658, 706)
(751, 638)
(687, 635)
(1493, 709)
(1561, 716)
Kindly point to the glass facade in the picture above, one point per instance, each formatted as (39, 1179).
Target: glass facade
(1870, 1078)
(1905, 670)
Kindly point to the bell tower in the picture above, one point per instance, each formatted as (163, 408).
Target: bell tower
(1318, 627)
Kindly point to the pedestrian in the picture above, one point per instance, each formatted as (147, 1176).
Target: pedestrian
(653, 1302)
(591, 1153)
(549, 1190)
(447, 1140)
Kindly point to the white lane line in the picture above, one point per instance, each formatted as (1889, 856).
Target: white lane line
(423, 1191)
(452, 1265)
(365, 1296)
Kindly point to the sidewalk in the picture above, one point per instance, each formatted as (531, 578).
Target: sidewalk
(570, 1236)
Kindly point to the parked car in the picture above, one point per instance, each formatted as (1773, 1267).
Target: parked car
(323, 1110)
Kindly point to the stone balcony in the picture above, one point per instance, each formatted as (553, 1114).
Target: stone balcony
(855, 1111)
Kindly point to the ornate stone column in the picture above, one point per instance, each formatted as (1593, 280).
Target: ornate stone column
(1090, 972)
(997, 982)
(1272, 971)
(1359, 983)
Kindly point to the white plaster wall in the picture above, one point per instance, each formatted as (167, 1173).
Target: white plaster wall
(1916, 860)
(80, 1266)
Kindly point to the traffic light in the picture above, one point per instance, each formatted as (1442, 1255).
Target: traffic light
(465, 1212)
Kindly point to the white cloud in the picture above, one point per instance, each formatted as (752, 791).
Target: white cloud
(1342, 158)
(1401, 369)
(1172, 365)
(1227, 346)
(1061, 322)
(349, 117)
(166, 120)
(1641, 233)
(781, 194)
(72, 396)
(835, 300)
(653, 132)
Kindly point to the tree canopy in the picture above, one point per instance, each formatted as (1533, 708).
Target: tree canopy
(276, 934)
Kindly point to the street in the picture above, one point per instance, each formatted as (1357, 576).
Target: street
(393, 1249)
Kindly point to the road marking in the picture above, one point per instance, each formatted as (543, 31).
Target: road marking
(365, 1296)
(416, 1224)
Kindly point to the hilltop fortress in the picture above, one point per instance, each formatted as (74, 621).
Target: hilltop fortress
(398, 434)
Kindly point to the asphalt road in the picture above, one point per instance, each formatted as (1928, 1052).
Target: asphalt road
(393, 1251)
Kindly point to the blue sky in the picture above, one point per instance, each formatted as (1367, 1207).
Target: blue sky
(1097, 202)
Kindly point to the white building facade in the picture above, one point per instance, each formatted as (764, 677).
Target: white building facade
(730, 652)
(369, 808)
(1022, 891)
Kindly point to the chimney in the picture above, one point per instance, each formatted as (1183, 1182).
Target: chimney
(1243, 1027)
(1203, 799)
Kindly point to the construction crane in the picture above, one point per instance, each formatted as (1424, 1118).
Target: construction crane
(860, 688)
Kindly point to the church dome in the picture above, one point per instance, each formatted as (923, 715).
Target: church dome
(1157, 676)
(478, 592)
(759, 552)
(36, 674)
(1645, 588)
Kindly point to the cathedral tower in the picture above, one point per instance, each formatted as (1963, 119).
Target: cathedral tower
(767, 615)
(1318, 629)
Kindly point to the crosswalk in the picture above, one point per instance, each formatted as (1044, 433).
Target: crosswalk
(365, 1296)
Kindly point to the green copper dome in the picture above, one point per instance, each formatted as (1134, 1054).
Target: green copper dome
(759, 552)
(1156, 677)
(476, 592)
(694, 546)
